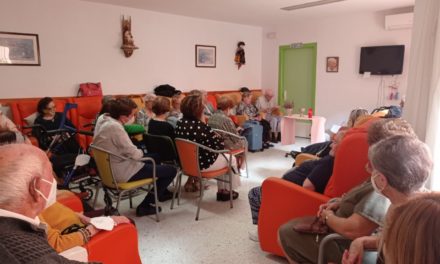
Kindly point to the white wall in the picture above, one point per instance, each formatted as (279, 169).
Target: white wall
(343, 36)
(80, 42)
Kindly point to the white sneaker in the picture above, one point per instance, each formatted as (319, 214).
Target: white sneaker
(253, 235)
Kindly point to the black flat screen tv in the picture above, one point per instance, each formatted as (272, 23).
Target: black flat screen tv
(382, 60)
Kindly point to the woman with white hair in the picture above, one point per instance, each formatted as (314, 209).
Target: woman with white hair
(266, 104)
(144, 115)
(400, 165)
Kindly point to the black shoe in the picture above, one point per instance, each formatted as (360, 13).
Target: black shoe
(225, 196)
(294, 153)
(143, 210)
(270, 145)
(265, 146)
(167, 195)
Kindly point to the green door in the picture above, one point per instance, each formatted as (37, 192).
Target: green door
(297, 76)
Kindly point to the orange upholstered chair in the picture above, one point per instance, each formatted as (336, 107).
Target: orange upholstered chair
(188, 152)
(85, 114)
(283, 200)
(211, 98)
(110, 247)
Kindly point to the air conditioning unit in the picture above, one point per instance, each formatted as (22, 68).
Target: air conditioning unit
(399, 21)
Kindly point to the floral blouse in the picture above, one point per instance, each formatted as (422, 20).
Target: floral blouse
(199, 132)
(250, 110)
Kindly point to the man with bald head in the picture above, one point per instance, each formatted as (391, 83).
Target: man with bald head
(27, 187)
(266, 103)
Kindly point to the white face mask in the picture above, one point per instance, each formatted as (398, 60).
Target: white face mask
(130, 121)
(373, 183)
(52, 197)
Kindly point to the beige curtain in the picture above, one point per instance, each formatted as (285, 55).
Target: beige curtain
(422, 108)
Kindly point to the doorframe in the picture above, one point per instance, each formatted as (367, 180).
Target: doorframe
(282, 51)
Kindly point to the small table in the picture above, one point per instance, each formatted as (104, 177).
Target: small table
(288, 128)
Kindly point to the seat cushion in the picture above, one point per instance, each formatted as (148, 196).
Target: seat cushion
(215, 173)
(134, 184)
(237, 151)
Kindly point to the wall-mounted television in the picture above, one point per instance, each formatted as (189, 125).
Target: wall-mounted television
(382, 60)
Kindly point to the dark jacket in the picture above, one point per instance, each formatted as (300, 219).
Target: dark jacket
(21, 242)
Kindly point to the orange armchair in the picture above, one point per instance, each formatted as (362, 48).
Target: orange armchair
(85, 114)
(106, 246)
(283, 200)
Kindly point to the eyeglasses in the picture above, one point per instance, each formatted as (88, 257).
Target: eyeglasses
(51, 107)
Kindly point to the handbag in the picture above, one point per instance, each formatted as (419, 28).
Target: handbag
(90, 89)
(311, 225)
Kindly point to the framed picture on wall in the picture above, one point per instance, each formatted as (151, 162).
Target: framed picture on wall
(205, 56)
(332, 64)
(19, 49)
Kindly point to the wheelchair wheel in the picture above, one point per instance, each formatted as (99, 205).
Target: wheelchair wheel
(86, 190)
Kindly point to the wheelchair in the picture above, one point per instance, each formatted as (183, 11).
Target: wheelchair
(72, 165)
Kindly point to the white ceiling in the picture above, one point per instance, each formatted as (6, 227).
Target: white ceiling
(257, 12)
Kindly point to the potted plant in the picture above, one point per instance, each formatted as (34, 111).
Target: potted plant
(288, 106)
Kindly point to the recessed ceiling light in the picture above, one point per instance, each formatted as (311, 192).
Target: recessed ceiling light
(310, 4)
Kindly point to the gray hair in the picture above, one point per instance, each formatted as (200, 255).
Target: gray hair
(386, 127)
(405, 162)
(355, 114)
(149, 97)
(19, 164)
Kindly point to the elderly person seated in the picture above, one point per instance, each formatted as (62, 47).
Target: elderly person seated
(312, 175)
(245, 107)
(67, 147)
(266, 104)
(158, 125)
(321, 149)
(49, 119)
(208, 109)
(110, 135)
(221, 120)
(411, 232)
(192, 109)
(404, 160)
(144, 115)
(400, 165)
(175, 113)
(27, 187)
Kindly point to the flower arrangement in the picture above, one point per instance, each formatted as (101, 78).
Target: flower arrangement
(288, 104)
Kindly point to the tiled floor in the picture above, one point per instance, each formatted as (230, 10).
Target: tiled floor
(221, 234)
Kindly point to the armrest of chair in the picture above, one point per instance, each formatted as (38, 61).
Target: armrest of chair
(76, 253)
(281, 202)
(304, 157)
(117, 246)
(369, 257)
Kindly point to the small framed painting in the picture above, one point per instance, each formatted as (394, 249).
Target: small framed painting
(205, 56)
(19, 49)
(332, 64)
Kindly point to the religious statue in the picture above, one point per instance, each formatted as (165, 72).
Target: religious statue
(127, 38)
